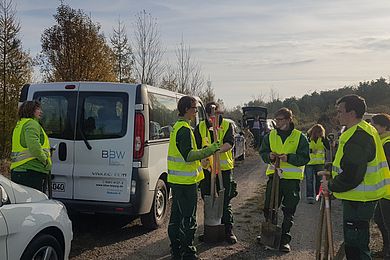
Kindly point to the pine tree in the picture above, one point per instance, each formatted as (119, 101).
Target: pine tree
(15, 71)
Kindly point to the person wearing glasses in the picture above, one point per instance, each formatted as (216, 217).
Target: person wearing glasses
(184, 172)
(359, 173)
(204, 136)
(292, 148)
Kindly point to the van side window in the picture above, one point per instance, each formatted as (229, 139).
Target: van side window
(103, 115)
(58, 113)
(162, 115)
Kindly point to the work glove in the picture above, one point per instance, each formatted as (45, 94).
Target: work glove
(196, 155)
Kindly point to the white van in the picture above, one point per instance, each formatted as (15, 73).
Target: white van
(111, 145)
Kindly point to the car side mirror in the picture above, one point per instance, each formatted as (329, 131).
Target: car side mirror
(3, 196)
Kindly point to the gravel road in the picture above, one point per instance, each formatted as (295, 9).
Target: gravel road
(103, 237)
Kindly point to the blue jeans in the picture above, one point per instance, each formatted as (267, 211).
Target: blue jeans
(311, 177)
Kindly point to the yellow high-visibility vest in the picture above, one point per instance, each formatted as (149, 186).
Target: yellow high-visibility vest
(373, 186)
(385, 140)
(317, 152)
(226, 158)
(289, 146)
(180, 171)
(20, 155)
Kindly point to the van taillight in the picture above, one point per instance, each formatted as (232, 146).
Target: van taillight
(139, 136)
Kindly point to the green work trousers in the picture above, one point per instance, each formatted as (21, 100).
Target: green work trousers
(382, 219)
(182, 224)
(289, 196)
(356, 226)
(230, 192)
(30, 178)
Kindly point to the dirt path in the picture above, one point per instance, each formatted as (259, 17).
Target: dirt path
(108, 238)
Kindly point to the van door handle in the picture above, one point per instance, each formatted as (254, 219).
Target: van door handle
(62, 151)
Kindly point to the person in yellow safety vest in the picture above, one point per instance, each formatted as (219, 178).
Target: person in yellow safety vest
(204, 136)
(292, 148)
(359, 174)
(381, 122)
(30, 156)
(184, 172)
(317, 145)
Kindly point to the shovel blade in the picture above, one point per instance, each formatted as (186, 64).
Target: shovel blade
(270, 235)
(213, 209)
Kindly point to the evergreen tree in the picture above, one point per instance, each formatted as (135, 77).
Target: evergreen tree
(15, 71)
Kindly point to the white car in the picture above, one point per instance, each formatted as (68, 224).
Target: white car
(31, 225)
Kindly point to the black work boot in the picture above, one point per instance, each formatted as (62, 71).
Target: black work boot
(285, 248)
(229, 235)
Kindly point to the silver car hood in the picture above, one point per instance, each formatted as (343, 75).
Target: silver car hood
(25, 194)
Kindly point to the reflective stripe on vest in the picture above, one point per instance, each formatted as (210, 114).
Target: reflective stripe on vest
(21, 155)
(180, 171)
(289, 146)
(317, 152)
(226, 158)
(385, 140)
(374, 185)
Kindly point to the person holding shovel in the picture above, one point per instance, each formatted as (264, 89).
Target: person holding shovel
(292, 148)
(30, 156)
(359, 171)
(184, 172)
(381, 122)
(204, 136)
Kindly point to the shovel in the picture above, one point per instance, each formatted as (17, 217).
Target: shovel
(270, 231)
(213, 203)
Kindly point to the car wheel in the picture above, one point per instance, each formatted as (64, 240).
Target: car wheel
(158, 214)
(43, 247)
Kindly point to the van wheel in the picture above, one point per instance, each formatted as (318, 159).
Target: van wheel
(158, 214)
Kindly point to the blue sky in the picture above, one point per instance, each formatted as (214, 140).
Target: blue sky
(249, 47)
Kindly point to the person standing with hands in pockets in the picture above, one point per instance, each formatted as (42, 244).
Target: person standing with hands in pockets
(359, 174)
(184, 173)
(30, 156)
(292, 148)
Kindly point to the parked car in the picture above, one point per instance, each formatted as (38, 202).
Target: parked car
(269, 124)
(239, 141)
(31, 225)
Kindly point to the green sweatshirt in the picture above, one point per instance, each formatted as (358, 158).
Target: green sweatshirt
(32, 137)
(300, 158)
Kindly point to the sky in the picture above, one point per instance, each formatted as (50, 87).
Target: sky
(250, 48)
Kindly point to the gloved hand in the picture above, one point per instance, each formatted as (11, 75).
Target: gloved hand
(48, 165)
(215, 146)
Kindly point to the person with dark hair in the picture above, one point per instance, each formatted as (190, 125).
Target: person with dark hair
(318, 143)
(204, 136)
(359, 171)
(381, 122)
(184, 172)
(30, 157)
(291, 147)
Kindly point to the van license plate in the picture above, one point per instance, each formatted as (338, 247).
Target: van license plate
(58, 186)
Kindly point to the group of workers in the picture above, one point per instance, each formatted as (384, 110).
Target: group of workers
(360, 175)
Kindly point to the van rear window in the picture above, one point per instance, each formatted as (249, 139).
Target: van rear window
(162, 115)
(103, 115)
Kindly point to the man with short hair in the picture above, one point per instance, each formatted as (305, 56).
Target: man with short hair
(359, 171)
(184, 172)
(292, 148)
(204, 136)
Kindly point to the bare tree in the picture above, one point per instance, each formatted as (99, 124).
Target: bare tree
(148, 51)
(122, 53)
(15, 70)
(189, 76)
(208, 95)
(169, 80)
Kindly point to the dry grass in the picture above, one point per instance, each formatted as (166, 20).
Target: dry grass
(4, 168)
